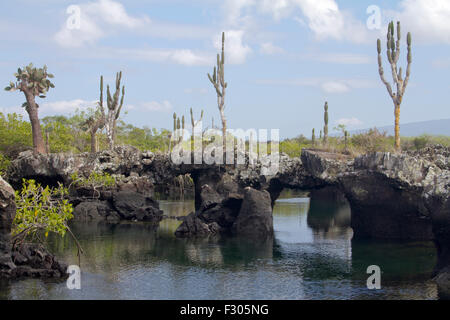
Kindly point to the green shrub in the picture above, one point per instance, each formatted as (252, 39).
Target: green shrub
(40, 211)
(421, 142)
(95, 180)
(372, 141)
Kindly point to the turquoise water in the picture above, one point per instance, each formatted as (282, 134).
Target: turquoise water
(312, 256)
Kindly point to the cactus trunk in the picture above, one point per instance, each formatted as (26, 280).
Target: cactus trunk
(93, 141)
(397, 127)
(32, 110)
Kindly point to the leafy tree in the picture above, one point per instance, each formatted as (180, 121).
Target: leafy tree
(33, 82)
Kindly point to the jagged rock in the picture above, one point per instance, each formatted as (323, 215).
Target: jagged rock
(194, 226)
(325, 167)
(33, 260)
(135, 206)
(255, 216)
(209, 197)
(95, 210)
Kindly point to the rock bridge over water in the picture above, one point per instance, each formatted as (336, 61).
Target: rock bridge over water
(393, 196)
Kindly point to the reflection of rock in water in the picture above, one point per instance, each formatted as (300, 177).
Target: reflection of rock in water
(107, 247)
(241, 250)
(110, 247)
(397, 260)
(200, 252)
(329, 214)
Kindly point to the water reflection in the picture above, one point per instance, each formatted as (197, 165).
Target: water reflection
(311, 256)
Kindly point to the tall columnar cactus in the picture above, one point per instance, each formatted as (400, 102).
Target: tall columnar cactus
(320, 137)
(178, 128)
(174, 121)
(346, 139)
(194, 125)
(393, 55)
(325, 128)
(33, 82)
(313, 139)
(115, 104)
(96, 121)
(218, 81)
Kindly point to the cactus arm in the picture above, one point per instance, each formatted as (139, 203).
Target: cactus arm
(381, 72)
(121, 103)
(409, 57)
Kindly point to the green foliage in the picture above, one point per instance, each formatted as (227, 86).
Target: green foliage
(293, 147)
(95, 180)
(41, 211)
(4, 164)
(421, 142)
(143, 138)
(372, 141)
(34, 79)
(15, 135)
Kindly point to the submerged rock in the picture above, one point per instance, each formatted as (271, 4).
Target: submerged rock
(95, 210)
(255, 216)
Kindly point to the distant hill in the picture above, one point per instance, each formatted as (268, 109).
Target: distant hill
(432, 127)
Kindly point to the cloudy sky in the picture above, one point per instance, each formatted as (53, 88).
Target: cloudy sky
(284, 58)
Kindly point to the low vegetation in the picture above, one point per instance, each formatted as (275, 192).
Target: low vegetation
(95, 180)
(371, 141)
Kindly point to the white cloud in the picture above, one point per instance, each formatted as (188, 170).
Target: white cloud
(324, 18)
(233, 11)
(14, 109)
(155, 106)
(331, 86)
(236, 51)
(327, 21)
(270, 49)
(185, 57)
(335, 87)
(66, 106)
(427, 20)
(278, 8)
(96, 18)
(350, 122)
(340, 58)
(55, 107)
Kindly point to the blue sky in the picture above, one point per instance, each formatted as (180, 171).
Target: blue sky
(285, 58)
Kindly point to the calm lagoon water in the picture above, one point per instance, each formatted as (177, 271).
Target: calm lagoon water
(312, 256)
